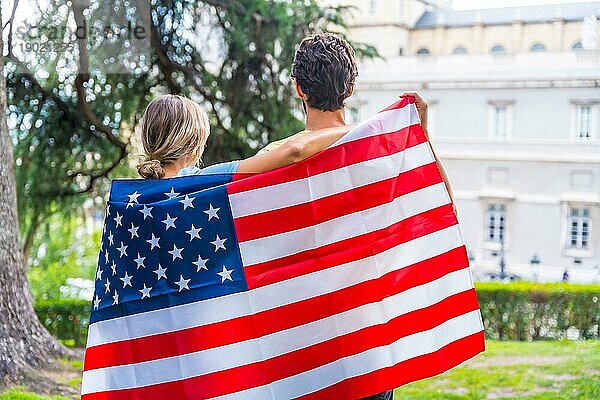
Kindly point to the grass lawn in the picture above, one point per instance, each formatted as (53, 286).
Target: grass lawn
(557, 370)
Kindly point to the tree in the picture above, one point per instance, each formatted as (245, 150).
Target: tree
(24, 343)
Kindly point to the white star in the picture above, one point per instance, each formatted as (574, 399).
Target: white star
(183, 283)
(200, 264)
(97, 302)
(133, 230)
(140, 261)
(126, 280)
(99, 274)
(133, 197)
(212, 212)
(110, 238)
(169, 222)
(118, 219)
(147, 211)
(194, 232)
(116, 298)
(160, 272)
(122, 249)
(153, 242)
(187, 201)
(176, 253)
(114, 268)
(107, 286)
(219, 243)
(106, 256)
(172, 193)
(130, 204)
(225, 274)
(145, 291)
(108, 209)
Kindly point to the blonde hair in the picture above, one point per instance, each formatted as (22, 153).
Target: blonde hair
(171, 128)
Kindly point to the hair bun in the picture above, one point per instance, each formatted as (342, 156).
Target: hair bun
(151, 169)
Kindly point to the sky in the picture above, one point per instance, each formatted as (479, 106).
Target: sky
(472, 4)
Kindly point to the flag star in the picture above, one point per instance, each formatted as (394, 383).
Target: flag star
(225, 274)
(147, 211)
(160, 272)
(106, 256)
(183, 283)
(212, 212)
(176, 253)
(114, 268)
(219, 243)
(187, 201)
(99, 274)
(172, 194)
(194, 232)
(110, 238)
(169, 222)
(140, 261)
(153, 242)
(200, 264)
(108, 209)
(133, 230)
(130, 204)
(116, 298)
(97, 302)
(107, 286)
(126, 280)
(122, 250)
(145, 291)
(133, 197)
(118, 219)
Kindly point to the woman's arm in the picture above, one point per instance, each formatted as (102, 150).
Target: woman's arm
(293, 150)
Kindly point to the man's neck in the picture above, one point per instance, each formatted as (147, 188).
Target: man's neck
(317, 119)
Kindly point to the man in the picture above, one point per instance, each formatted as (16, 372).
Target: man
(324, 73)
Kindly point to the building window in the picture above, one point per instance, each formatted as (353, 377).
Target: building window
(354, 114)
(423, 51)
(585, 120)
(373, 7)
(496, 222)
(460, 50)
(500, 120)
(577, 46)
(497, 49)
(400, 51)
(579, 228)
(537, 47)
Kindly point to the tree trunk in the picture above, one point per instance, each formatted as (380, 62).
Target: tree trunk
(24, 343)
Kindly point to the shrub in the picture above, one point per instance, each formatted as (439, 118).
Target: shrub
(533, 311)
(66, 319)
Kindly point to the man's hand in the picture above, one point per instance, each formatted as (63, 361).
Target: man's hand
(422, 107)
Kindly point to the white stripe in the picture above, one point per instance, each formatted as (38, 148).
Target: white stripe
(345, 227)
(328, 183)
(275, 295)
(382, 122)
(278, 343)
(408, 347)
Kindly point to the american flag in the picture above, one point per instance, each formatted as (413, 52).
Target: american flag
(338, 277)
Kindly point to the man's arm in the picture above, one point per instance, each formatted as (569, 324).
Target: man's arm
(293, 150)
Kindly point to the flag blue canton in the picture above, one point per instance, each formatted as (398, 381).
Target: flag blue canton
(166, 242)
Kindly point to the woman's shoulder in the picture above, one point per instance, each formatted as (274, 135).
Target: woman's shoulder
(228, 167)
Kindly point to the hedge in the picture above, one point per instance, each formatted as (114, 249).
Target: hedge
(66, 319)
(511, 311)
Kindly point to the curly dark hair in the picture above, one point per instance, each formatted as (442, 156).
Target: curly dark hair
(325, 68)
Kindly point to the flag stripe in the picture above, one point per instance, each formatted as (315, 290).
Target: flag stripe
(281, 342)
(270, 321)
(404, 372)
(364, 221)
(346, 177)
(394, 132)
(275, 295)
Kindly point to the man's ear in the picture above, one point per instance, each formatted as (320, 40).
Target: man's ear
(299, 91)
(351, 92)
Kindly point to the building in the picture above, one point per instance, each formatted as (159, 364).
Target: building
(515, 96)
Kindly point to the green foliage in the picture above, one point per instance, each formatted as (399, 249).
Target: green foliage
(20, 394)
(532, 311)
(66, 320)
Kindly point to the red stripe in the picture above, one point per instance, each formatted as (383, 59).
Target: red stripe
(348, 250)
(404, 101)
(333, 158)
(289, 364)
(270, 321)
(334, 206)
(417, 368)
